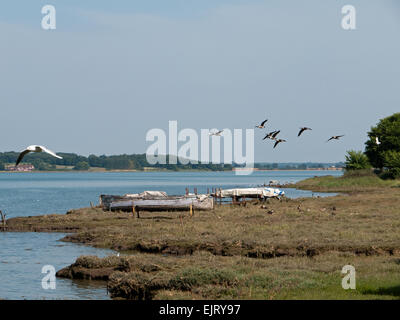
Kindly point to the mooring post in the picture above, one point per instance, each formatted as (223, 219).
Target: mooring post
(3, 220)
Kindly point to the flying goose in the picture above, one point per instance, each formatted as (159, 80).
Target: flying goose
(302, 130)
(275, 134)
(262, 125)
(278, 141)
(335, 137)
(35, 148)
(269, 135)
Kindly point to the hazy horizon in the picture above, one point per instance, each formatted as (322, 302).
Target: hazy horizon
(112, 71)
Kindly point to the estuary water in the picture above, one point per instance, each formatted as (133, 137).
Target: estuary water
(22, 255)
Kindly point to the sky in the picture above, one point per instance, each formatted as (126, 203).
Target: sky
(113, 70)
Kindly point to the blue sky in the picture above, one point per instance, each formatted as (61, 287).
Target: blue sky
(111, 71)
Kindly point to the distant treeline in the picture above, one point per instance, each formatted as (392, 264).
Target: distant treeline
(297, 166)
(43, 161)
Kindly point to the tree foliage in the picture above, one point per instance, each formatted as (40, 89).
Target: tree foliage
(82, 165)
(388, 133)
(356, 160)
(43, 161)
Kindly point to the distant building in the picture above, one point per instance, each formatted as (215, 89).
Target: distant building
(21, 168)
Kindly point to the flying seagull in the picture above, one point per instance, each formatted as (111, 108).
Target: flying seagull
(269, 135)
(35, 149)
(302, 130)
(278, 141)
(335, 137)
(262, 125)
(218, 133)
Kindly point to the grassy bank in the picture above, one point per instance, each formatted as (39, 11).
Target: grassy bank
(350, 182)
(282, 249)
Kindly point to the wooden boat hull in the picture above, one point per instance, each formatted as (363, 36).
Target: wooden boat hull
(117, 203)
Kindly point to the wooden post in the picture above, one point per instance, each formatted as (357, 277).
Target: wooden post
(3, 220)
(195, 191)
(191, 210)
(133, 209)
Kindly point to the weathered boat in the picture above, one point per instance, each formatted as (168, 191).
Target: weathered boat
(155, 202)
(260, 193)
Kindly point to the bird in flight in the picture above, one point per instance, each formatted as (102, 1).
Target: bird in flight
(377, 141)
(35, 148)
(278, 141)
(262, 125)
(218, 133)
(335, 137)
(302, 130)
(269, 135)
(275, 134)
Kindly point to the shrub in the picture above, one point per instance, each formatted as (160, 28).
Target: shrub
(356, 160)
(82, 166)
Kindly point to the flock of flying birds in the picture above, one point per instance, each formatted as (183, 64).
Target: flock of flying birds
(273, 135)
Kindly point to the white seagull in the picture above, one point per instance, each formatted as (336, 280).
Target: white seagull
(377, 141)
(35, 148)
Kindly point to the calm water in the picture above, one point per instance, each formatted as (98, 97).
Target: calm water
(22, 255)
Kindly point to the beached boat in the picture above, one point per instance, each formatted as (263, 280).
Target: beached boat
(152, 201)
(260, 193)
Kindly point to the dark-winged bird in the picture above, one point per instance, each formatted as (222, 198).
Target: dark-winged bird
(278, 141)
(262, 125)
(218, 133)
(35, 148)
(335, 137)
(275, 134)
(269, 135)
(302, 130)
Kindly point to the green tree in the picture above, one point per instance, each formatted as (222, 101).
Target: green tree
(83, 165)
(392, 163)
(356, 160)
(384, 138)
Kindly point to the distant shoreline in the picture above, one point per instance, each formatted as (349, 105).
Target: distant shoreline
(164, 170)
